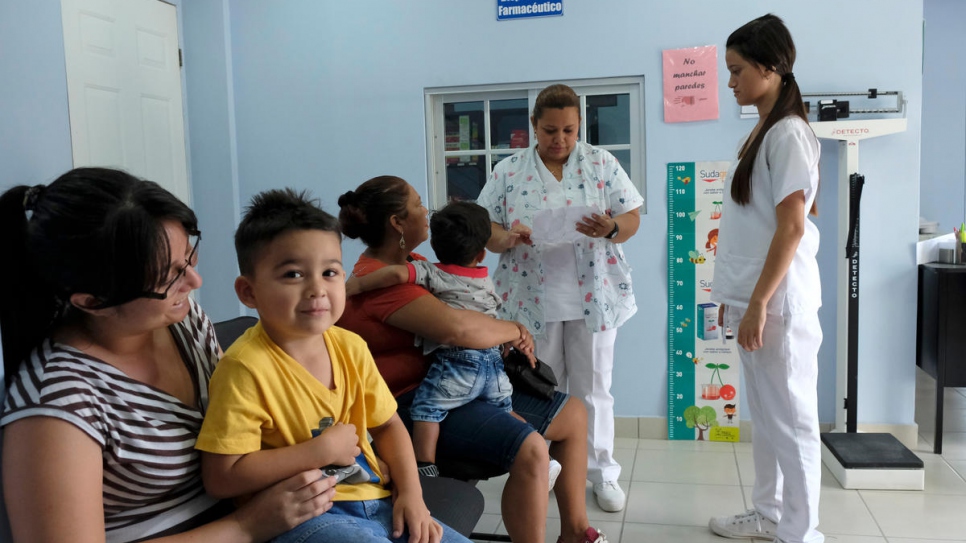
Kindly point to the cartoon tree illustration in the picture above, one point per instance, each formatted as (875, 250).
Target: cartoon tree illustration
(701, 418)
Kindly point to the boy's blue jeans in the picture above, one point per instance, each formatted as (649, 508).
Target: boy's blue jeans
(359, 522)
(457, 377)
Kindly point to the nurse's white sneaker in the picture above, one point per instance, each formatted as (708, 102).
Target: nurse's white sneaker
(555, 469)
(749, 524)
(610, 496)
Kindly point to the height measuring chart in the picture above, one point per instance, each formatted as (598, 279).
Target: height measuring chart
(703, 365)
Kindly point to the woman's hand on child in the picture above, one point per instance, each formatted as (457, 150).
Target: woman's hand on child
(409, 511)
(338, 445)
(286, 504)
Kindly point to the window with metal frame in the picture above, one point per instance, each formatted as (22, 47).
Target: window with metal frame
(470, 129)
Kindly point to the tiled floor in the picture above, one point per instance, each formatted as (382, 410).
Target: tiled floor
(674, 487)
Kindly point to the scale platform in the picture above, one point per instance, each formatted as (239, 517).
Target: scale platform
(872, 462)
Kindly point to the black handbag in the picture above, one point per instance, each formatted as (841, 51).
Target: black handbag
(539, 381)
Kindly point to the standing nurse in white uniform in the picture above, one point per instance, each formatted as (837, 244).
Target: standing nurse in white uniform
(767, 282)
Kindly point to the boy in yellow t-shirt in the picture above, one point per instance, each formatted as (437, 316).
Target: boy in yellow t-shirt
(293, 371)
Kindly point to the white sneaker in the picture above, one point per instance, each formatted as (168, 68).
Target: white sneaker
(610, 497)
(749, 524)
(555, 469)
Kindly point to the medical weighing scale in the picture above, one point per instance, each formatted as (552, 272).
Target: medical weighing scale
(858, 460)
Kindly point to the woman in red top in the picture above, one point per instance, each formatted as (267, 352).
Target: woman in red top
(387, 214)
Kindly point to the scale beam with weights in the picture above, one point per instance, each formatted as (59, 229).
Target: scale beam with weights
(858, 460)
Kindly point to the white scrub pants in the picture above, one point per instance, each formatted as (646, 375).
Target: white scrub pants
(781, 382)
(583, 363)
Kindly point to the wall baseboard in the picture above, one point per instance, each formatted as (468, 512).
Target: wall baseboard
(656, 428)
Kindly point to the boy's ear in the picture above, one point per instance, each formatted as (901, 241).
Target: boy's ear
(480, 257)
(245, 291)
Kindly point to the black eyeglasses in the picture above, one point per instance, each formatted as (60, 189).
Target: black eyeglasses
(192, 261)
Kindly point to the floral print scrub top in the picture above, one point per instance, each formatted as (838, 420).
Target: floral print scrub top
(515, 192)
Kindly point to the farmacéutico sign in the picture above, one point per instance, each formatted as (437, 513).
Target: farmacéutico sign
(520, 9)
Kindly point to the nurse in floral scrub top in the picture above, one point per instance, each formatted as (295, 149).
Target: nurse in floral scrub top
(572, 294)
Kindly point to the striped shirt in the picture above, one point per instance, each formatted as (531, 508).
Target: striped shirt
(152, 472)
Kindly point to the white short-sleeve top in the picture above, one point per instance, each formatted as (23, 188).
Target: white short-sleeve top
(516, 192)
(787, 162)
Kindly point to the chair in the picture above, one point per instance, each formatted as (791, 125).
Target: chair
(230, 330)
(457, 503)
(470, 473)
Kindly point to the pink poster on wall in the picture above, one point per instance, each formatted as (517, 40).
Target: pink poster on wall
(691, 84)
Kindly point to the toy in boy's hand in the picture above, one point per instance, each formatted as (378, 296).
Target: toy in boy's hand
(353, 474)
(346, 474)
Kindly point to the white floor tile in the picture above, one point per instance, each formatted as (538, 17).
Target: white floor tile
(625, 443)
(840, 512)
(925, 442)
(836, 538)
(681, 504)
(686, 466)
(746, 468)
(625, 457)
(959, 466)
(954, 445)
(661, 510)
(917, 514)
(743, 447)
(954, 398)
(954, 420)
(492, 490)
(685, 445)
(611, 529)
(638, 533)
(941, 478)
(843, 512)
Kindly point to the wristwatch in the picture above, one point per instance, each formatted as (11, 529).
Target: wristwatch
(614, 232)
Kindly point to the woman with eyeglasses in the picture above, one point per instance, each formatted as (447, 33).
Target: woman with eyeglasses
(107, 361)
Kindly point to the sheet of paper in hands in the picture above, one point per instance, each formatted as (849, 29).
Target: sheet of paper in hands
(559, 225)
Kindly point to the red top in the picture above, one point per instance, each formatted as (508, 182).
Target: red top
(400, 362)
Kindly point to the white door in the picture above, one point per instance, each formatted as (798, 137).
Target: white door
(124, 88)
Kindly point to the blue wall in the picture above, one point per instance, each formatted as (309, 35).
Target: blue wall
(324, 95)
(34, 128)
(212, 151)
(330, 94)
(943, 181)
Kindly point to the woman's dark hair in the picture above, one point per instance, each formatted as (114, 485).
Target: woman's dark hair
(556, 96)
(460, 232)
(275, 212)
(766, 43)
(94, 231)
(364, 212)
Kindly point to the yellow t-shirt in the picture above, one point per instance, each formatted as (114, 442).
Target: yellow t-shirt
(262, 398)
